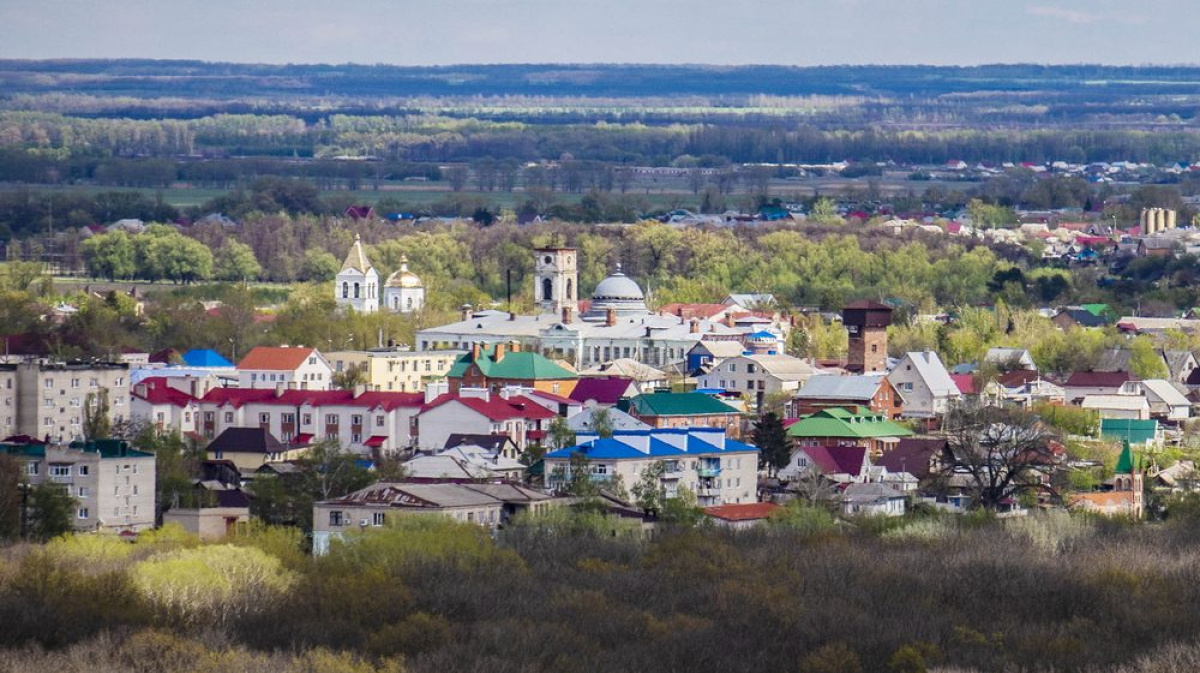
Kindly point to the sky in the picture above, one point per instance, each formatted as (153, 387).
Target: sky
(441, 32)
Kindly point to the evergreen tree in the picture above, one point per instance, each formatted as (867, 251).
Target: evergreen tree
(774, 449)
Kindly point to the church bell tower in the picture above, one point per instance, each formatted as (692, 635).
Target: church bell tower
(556, 279)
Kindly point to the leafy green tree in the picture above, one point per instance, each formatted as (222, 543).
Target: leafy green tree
(51, 511)
(824, 211)
(774, 449)
(579, 481)
(1145, 362)
(682, 510)
(351, 376)
(560, 434)
(236, 261)
(319, 266)
(649, 493)
(176, 466)
(602, 422)
(10, 497)
(110, 255)
(97, 424)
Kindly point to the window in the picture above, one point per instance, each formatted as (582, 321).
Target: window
(135, 489)
(264, 418)
(733, 366)
(380, 421)
(82, 470)
(312, 360)
(60, 470)
(228, 417)
(356, 437)
(75, 402)
(74, 383)
(750, 368)
(93, 383)
(306, 419)
(31, 469)
(356, 419)
(49, 383)
(48, 402)
(335, 518)
(82, 513)
(331, 419)
(377, 518)
(82, 492)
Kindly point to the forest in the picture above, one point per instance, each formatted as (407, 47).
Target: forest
(561, 592)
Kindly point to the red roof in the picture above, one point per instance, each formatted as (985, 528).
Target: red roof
(302, 438)
(604, 389)
(702, 311)
(748, 511)
(155, 390)
(1098, 379)
(1094, 240)
(278, 358)
(837, 459)
(1017, 378)
(376, 441)
(496, 408)
(965, 383)
(316, 398)
(557, 399)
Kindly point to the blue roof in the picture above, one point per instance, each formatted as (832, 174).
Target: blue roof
(205, 357)
(660, 448)
(599, 449)
(763, 334)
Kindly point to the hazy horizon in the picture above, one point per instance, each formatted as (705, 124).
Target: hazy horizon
(651, 32)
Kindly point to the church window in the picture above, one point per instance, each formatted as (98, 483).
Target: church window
(410, 303)
(570, 290)
(356, 291)
(547, 289)
(345, 290)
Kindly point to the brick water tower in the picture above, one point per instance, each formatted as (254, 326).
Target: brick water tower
(867, 322)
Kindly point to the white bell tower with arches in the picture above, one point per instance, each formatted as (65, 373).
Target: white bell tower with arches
(556, 279)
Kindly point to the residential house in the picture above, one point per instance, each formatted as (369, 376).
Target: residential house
(294, 367)
(646, 379)
(685, 410)
(250, 448)
(1179, 365)
(839, 464)
(1079, 317)
(1166, 401)
(707, 352)
(112, 484)
(1010, 358)
(857, 427)
(873, 499)
(740, 516)
(1081, 384)
(449, 469)
(718, 470)
(480, 411)
(758, 376)
(605, 391)
(922, 457)
(1118, 406)
(506, 364)
(925, 385)
(585, 420)
(497, 445)
(871, 391)
(1022, 387)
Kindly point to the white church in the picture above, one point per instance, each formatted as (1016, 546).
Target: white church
(357, 285)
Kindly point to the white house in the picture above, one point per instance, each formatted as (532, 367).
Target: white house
(357, 284)
(479, 411)
(757, 376)
(153, 400)
(922, 379)
(873, 500)
(1134, 407)
(295, 367)
(1166, 401)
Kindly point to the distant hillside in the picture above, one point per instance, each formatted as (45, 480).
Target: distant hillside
(149, 78)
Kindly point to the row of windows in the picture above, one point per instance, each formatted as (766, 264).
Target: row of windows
(84, 513)
(75, 383)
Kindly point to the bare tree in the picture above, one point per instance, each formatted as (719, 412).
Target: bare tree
(1002, 453)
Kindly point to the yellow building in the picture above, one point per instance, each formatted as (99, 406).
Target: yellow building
(395, 370)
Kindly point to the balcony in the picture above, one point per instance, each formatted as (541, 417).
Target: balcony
(707, 492)
(672, 474)
(708, 472)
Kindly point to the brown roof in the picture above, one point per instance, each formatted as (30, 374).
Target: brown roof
(1017, 378)
(1099, 379)
(279, 358)
(749, 511)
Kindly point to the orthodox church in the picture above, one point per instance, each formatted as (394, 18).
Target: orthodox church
(357, 285)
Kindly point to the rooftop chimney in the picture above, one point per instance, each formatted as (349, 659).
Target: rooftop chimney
(279, 388)
(694, 326)
(514, 347)
(610, 317)
(729, 320)
(466, 311)
(359, 390)
(475, 350)
(498, 355)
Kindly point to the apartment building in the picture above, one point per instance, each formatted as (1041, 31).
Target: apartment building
(113, 485)
(396, 370)
(46, 399)
(291, 367)
(717, 469)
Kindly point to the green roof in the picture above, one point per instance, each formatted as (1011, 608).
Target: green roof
(679, 404)
(1098, 310)
(522, 365)
(110, 448)
(838, 422)
(1125, 462)
(26, 450)
(1128, 429)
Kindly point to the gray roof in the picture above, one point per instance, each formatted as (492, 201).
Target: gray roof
(445, 467)
(1114, 360)
(826, 387)
(784, 367)
(582, 421)
(722, 349)
(509, 492)
(869, 493)
(931, 370)
(419, 496)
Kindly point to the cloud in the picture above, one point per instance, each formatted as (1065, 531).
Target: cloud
(1068, 15)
